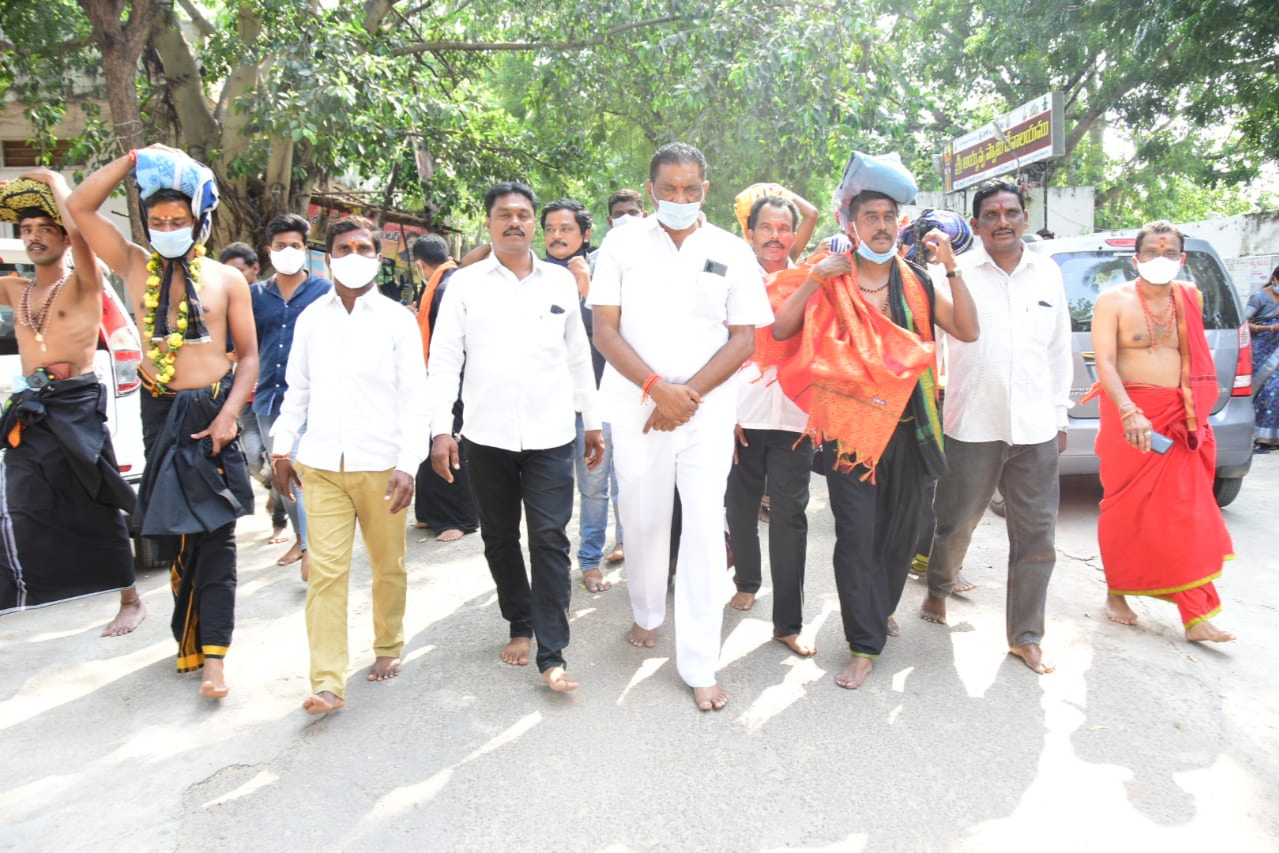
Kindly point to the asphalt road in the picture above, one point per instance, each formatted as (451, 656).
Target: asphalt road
(1138, 741)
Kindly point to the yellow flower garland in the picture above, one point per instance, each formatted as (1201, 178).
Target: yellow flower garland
(165, 360)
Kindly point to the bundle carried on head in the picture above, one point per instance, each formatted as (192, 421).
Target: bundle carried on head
(883, 173)
(21, 196)
(953, 224)
(157, 169)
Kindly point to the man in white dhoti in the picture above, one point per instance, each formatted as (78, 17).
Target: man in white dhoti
(676, 303)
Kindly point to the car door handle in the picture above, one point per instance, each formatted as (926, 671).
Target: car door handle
(1090, 364)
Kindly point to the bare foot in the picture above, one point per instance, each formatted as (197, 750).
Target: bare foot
(854, 675)
(420, 525)
(642, 638)
(796, 645)
(384, 667)
(1033, 656)
(516, 651)
(594, 581)
(1207, 632)
(291, 556)
(617, 555)
(557, 679)
(963, 584)
(712, 698)
(450, 535)
(130, 615)
(278, 535)
(1117, 610)
(214, 685)
(305, 570)
(742, 601)
(894, 630)
(933, 609)
(322, 702)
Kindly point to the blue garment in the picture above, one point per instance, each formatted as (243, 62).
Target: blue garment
(276, 320)
(156, 170)
(594, 489)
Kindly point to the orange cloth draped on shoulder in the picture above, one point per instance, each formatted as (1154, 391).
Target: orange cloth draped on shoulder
(851, 368)
(1160, 531)
(424, 306)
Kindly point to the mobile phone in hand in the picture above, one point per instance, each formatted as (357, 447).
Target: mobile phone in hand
(1160, 443)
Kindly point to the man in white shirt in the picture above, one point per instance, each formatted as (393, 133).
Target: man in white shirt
(1005, 417)
(357, 382)
(676, 303)
(773, 455)
(513, 320)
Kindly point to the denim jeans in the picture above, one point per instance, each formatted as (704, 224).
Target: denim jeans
(297, 513)
(594, 489)
(540, 482)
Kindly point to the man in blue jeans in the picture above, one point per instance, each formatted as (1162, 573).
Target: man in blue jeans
(277, 302)
(512, 320)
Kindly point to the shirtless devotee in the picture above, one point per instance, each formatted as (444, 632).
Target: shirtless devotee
(197, 481)
(1160, 530)
(62, 494)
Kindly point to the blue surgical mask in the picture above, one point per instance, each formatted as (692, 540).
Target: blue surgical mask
(864, 249)
(173, 244)
(678, 217)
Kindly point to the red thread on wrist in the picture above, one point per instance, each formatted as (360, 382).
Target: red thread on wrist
(133, 156)
(652, 380)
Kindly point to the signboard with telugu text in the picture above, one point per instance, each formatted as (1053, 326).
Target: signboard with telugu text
(1032, 132)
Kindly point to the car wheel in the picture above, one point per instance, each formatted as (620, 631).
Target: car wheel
(997, 504)
(1226, 489)
(144, 556)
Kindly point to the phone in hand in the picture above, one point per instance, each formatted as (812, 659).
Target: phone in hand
(1160, 443)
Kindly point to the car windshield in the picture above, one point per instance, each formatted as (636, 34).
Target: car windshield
(1089, 273)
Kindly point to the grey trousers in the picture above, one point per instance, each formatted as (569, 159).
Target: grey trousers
(1026, 474)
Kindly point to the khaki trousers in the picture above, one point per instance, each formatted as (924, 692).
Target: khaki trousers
(335, 501)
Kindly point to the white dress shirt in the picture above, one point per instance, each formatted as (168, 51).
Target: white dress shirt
(357, 382)
(1012, 384)
(527, 357)
(677, 303)
(761, 402)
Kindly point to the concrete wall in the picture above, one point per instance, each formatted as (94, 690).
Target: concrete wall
(1248, 243)
(1067, 213)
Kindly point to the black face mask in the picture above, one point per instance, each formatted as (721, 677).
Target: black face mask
(580, 253)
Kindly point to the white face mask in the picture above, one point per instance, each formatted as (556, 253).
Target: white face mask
(678, 217)
(354, 271)
(288, 261)
(625, 219)
(173, 244)
(1159, 270)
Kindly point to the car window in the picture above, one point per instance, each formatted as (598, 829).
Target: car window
(1089, 273)
(8, 341)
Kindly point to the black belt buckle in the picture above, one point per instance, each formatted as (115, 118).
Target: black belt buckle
(41, 378)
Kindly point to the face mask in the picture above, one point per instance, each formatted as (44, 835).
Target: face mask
(288, 261)
(626, 219)
(864, 249)
(173, 244)
(354, 271)
(1158, 271)
(678, 217)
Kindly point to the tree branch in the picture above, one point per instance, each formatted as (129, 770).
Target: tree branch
(201, 23)
(489, 47)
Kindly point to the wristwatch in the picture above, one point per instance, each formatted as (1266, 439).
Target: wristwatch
(955, 273)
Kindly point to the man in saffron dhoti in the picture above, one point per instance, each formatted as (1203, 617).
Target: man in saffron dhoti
(1161, 532)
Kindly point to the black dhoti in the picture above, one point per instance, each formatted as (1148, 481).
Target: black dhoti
(188, 504)
(62, 498)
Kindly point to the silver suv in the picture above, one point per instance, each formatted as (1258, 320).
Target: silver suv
(115, 362)
(1099, 262)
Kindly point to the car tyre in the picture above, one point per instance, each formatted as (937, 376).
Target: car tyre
(144, 556)
(1226, 489)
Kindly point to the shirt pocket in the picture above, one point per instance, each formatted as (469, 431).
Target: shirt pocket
(710, 297)
(1041, 324)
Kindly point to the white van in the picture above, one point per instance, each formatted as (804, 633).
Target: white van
(116, 364)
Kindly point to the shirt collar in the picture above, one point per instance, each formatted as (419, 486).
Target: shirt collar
(983, 257)
(363, 302)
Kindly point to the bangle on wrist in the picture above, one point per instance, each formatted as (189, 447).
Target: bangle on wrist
(133, 156)
(815, 277)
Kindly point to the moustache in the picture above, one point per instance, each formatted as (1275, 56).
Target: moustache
(774, 244)
(36, 247)
(560, 243)
(879, 234)
(513, 232)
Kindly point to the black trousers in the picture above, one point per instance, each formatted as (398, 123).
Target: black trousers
(541, 482)
(877, 523)
(772, 463)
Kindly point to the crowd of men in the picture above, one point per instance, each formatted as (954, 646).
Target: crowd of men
(688, 375)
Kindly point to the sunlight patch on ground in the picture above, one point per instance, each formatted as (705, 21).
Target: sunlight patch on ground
(647, 668)
(262, 780)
